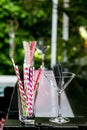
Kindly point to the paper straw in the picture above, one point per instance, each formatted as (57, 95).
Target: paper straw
(27, 86)
(28, 91)
(28, 80)
(26, 52)
(31, 91)
(32, 49)
(22, 103)
(21, 89)
(23, 97)
(29, 49)
(37, 79)
(33, 79)
(18, 76)
(13, 62)
(26, 75)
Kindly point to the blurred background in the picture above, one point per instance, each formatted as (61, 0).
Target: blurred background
(31, 20)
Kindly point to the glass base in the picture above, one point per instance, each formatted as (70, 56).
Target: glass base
(27, 120)
(59, 120)
(30, 121)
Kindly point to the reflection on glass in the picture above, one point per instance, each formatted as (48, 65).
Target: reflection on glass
(60, 83)
(42, 49)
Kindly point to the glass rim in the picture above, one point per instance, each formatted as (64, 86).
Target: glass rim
(67, 74)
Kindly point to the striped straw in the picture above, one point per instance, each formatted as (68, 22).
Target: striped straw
(23, 97)
(27, 83)
(37, 79)
(27, 52)
(32, 49)
(28, 87)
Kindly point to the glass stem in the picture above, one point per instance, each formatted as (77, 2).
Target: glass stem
(59, 104)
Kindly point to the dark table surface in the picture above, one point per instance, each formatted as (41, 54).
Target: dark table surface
(78, 101)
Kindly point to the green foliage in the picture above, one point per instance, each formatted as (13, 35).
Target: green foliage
(30, 17)
(32, 21)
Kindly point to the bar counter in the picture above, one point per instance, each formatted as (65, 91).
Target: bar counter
(78, 102)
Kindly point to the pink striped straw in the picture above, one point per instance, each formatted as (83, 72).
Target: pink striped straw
(26, 81)
(17, 74)
(31, 90)
(27, 52)
(32, 49)
(29, 49)
(38, 77)
(28, 87)
(21, 89)
(26, 75)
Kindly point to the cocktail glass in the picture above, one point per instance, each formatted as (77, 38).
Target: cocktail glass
(60, 83)
(42, 49)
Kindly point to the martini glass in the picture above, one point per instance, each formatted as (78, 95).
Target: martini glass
(60, 83)
(42, 49)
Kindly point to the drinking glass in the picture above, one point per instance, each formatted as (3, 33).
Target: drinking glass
(26, 108)
(41, 48)
(60, 83)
